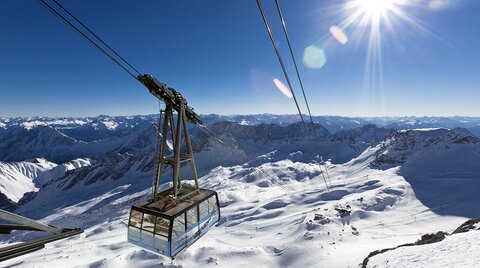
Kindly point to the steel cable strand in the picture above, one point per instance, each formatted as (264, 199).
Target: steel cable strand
(295, 63)
(212, 135)
(73, 27)
(96, 36)
(277, 52)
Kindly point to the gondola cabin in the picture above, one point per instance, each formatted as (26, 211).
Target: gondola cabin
(175, 218)
(164, 228)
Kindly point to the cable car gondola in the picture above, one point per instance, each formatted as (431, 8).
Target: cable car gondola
(175, 218)
(167, 230)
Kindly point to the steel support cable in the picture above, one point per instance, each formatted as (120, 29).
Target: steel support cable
(68, 23)
(274, 43)
(324, 178)
(294, 63)
(300, 82)
(213, 136)
(96, 36)
(328, 175)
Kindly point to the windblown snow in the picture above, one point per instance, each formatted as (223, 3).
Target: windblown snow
(460, 250)
(391, 192)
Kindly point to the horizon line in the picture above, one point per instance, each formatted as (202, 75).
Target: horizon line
(272, 114)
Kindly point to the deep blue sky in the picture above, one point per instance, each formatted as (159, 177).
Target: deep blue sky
(217, 53)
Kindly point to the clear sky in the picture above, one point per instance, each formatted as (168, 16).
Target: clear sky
(357, 57)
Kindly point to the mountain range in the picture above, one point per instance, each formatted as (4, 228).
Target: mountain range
(387, 184)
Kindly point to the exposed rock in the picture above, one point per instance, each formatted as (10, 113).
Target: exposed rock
(471, 224)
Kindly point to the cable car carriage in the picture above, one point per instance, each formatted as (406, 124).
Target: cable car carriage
(167, 229)
(175, 218)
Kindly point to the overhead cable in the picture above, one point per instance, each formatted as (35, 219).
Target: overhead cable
(215, 138)
(96, 36)
(272, 38)
(274, 43)
(294, 62)
(68, 23)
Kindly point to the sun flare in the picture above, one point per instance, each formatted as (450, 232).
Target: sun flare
(368, 20)
(376, 8)
(372, 12)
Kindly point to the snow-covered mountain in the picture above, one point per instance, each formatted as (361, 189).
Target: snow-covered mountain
(389, 194)
(291, 141)
(63, 139)
(96, 128)
(263, 143)
(458, 249)
(384, 187)
(429, 144)
(441, 166)
(338, 123)
(19, 178)
(134, 138)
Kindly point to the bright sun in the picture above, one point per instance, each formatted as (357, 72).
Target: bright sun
(370, 24)
(366, 21)
(376, 7)
(373, 11)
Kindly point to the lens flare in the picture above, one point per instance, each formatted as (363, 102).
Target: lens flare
(339, 35)
(368, 20)
(314, 57)
(283, 88)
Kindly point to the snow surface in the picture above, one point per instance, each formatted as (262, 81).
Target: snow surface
(333, 123)
(52, 122)
(424, 129)
(18, 178)
(459, 250)
(111, 125)
(262, 223)
(389, 195)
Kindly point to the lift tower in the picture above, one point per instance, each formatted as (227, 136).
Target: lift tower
(174, 101)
